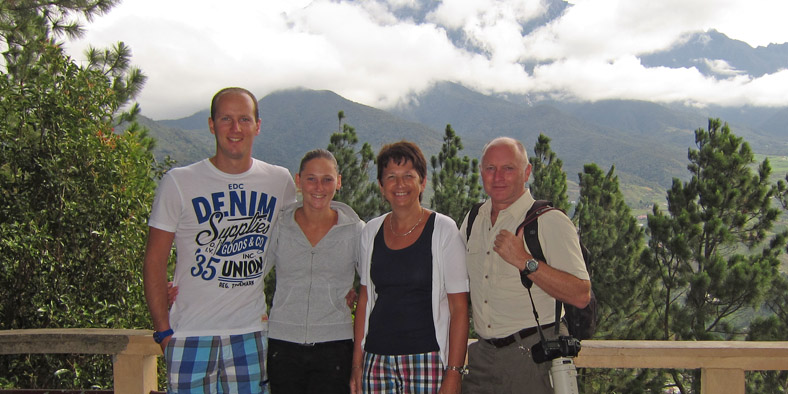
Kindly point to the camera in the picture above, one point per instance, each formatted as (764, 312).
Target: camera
(563, 374)
(564, 346)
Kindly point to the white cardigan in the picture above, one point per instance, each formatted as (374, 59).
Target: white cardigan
(449, 273)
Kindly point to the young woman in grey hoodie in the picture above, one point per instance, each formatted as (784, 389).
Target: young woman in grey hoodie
(315, 254)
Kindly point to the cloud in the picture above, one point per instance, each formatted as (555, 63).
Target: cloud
(756, 22)
(495, 26)
(627, 78)
(609, 29)
(720, 67)
(367, 52)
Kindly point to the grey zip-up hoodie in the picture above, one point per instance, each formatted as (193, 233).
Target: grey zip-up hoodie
(312, 282)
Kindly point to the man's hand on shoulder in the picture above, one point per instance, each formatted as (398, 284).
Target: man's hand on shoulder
(511, 248)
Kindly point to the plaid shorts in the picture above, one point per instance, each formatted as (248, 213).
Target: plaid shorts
(410, 373)
(217, 364)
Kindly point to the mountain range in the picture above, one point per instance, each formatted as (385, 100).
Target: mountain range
(646, 142)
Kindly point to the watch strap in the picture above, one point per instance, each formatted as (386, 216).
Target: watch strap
(525, 280)
(159, 336)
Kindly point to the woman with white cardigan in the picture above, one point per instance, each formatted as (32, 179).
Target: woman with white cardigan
(411, 325)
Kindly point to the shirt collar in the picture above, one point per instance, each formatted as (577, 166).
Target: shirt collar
(517, 210)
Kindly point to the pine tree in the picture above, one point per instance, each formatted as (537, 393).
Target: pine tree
(455, 180)
(623, 291)
(709, 252)
(26, 27)
(358, 191)
(774, 325)
(615, 241)
(548, 176)
(782, 192)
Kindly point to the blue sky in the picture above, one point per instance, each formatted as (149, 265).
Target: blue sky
(361, 50)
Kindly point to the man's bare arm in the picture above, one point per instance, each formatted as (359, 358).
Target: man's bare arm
(558, 284)
(154, 273)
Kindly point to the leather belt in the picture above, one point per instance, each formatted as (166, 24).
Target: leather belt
(506, 341)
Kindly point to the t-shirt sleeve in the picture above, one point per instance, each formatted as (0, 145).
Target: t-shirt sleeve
(289, 192)
(167, 205)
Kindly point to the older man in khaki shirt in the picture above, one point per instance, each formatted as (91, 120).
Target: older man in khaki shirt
(500, 362)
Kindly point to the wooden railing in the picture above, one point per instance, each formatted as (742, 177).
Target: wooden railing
(133, 351)
(722, 363)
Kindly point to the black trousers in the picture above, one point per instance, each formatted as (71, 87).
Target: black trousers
(323, 367)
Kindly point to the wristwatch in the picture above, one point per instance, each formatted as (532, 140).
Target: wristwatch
(531, 266)
(159, 336)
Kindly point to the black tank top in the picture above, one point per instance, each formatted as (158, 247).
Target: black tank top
(401, 321)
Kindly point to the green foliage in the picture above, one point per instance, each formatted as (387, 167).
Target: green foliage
(357, 190)
(782, 192)
(709, 252)
(126, 81)
(74, 195)
(615, 241)
(24, 25)
(623, 291)
(548, 176)
(455, 180)
(772, 327)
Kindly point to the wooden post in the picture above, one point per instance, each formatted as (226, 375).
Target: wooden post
(134, 374)
(134, 369)
(721, 381)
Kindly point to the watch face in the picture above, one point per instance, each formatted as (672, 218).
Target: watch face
(531, 265)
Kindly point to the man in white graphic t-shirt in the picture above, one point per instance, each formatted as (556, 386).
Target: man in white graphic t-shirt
(220, 213)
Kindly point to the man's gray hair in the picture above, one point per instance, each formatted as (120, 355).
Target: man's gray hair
(507, 141)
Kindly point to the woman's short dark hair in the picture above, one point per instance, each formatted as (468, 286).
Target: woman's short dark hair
(399, 153)
(318, 154)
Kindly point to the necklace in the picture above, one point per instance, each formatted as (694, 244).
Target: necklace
(391, 224)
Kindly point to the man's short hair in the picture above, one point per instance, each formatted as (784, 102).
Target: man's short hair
(234, 90)
(509, 140)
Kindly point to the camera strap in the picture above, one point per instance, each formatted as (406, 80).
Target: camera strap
(536, 315)
(558, 308)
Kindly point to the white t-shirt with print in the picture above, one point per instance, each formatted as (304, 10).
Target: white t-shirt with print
(222, 224)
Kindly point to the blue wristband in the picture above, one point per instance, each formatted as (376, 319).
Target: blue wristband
(160, 336)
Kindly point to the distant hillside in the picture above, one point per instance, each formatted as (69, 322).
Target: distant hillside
(478, 118)
(296, 121)
(183, 145)
(646, 142)
(776, 126)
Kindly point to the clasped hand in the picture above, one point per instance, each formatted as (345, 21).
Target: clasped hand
(511, 248)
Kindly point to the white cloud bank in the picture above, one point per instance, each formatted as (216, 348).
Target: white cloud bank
(361, 50)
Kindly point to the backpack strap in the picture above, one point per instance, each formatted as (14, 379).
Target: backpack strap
(531, 227)
(471, 217)
(531, 235)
